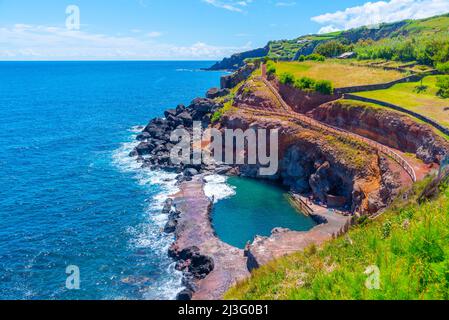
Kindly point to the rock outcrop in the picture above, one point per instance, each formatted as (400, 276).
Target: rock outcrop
(390, 128)
(214, 93)
(155, 144)
(232, 80)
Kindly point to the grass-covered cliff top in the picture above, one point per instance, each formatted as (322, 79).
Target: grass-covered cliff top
(420, 97)
(339, 73)
(408, 245)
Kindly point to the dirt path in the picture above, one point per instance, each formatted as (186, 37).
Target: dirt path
(407, 165)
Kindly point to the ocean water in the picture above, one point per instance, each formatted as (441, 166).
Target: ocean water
(69, 193)
(254, 207)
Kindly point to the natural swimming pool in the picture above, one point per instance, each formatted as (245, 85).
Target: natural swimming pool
(256, 209)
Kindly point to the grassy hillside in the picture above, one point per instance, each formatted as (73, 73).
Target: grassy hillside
(293, 49)
(420, 97)
(341, 74)
(408, 245)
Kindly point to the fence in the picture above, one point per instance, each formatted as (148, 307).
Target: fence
(400, 109)
(383, 86)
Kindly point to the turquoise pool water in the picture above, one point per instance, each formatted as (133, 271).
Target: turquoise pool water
(256, 208)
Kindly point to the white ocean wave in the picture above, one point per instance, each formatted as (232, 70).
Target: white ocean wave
(216, 187)
(149, 234)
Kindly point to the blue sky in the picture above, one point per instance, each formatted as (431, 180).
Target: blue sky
(181, 29)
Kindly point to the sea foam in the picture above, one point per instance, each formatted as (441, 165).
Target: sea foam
(148, 235)
(216, 187)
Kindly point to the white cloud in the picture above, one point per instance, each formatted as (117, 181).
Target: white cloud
(285, 4)
(328, 29)
(36, 42)
(154, 34)
(230, 5)
(372, 13)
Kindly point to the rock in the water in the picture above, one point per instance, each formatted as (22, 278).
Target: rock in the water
(170, 227)
(143, 136)
(190, 172)
(144, 148)
(184, 295)
(167, 206)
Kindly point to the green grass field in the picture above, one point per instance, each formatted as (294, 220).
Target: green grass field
(407, 96)
(409, 244)
(341, 74)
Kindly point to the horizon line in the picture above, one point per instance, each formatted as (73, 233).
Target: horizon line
(105, 60)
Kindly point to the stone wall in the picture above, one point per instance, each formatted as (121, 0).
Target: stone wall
(383, 86)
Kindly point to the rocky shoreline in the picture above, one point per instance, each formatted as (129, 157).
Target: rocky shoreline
(210, 267)
(310, 162)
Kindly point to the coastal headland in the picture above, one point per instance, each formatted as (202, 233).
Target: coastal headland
(345, 168)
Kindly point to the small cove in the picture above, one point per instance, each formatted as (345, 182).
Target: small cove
(256, 209)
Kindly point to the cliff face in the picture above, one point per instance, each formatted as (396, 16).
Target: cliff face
(236, 61)
(301, 101)
(334, 171)
(232, 80)
(387, 127)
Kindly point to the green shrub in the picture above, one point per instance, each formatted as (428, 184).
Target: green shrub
(287, 78)
(271, 68)
(324, 87)
(316, 57)
(332, 48)
(312, 57)
(305, 83)
(428, 51)
(443, 85)
(216, 116)
(386, 229)
(443, 67)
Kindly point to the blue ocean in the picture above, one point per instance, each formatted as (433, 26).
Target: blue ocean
(70, 195)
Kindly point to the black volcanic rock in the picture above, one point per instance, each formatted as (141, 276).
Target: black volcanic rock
(216, 93)
(170, 112)
(143, 136)
(180, 108)
(144, 148)
(186, 118)
(184, 295)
